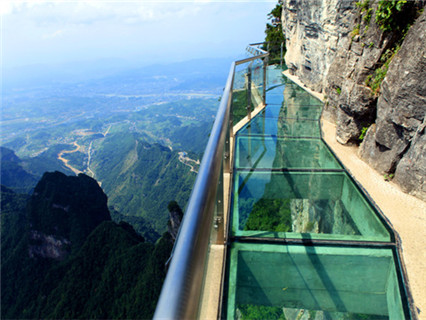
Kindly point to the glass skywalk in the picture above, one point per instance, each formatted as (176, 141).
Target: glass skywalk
(287, 183)
(305, 241)
(299, 282)
(313, 205)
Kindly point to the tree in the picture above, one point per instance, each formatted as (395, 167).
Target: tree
(274, 35)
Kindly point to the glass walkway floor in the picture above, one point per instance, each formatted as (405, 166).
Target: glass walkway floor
(305, 242)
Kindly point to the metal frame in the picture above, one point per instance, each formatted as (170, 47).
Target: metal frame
(180, 295)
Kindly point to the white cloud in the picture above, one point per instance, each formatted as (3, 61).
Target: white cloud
(71, 30)
(80, 12)
(55, 34)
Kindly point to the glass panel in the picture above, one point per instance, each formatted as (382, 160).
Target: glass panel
(294, 94)
(239, 94)
(281, 127)
(274, 99)
(298, 111)
(272, 152)
(274, 76)
(277, 89)
(309, 205)
(296, 282)
(257, 79)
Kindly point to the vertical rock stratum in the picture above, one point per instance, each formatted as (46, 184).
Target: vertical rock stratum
(338, 48)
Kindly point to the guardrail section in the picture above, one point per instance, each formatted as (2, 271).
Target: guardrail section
(203, 223)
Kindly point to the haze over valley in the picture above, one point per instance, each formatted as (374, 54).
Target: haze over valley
(137, 131)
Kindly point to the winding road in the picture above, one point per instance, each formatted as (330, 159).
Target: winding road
(186, 161)
(65, 161)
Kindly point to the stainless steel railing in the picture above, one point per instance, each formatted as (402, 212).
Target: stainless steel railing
(180, 295)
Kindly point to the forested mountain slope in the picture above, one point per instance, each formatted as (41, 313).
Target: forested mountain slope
(63, 257)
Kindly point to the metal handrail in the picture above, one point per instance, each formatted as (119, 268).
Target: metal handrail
(181, 291)
(255, 47)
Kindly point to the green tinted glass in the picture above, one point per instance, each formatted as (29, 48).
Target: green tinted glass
(298, 282)
(260, 152)
(318, 205)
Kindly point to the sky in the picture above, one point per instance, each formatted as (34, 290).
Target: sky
(140, 32)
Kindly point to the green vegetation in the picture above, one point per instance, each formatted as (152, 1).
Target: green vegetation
(375, 80)
(397, 16)
(256, 312)
(13, 175)
(137, 160)
(108, 271)
(134, 130)
(141, 178)
(393, 17)
(239, 105)
(79, 195)
(388, 176)
(338, 90)
(12, 218)
(47, 161)
(274, 36)
(355, 31)
(363, 132)
(387, 12)
(253, 312)
(270, 215)
(363, 5)
(140, 225)
(366, 11)
(77, 159)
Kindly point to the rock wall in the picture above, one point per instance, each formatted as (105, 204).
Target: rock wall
(397, 141)
(312, 29)
(334, 49)
(350, 102)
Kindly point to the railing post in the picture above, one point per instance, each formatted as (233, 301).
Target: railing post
(265, 65)
(218, 219)
(249, 75)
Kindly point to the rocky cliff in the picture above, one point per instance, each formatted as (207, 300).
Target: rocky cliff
(63, 211)
(372, 76)
(313, 30)
(396, 143)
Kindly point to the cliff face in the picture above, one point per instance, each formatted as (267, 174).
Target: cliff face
(313, 29)
(335, 48)
(397, 142)
(63, 211)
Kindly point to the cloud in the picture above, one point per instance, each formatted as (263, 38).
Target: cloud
(140, 30)
(89, 12)
(55, 34)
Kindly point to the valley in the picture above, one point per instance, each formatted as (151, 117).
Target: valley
(141, 136)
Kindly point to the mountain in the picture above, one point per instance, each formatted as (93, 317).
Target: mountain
(63, 257)
(12, 174)
(141, 178)
(63, 211)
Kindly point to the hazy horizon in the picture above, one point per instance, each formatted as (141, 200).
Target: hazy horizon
(138, 33)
